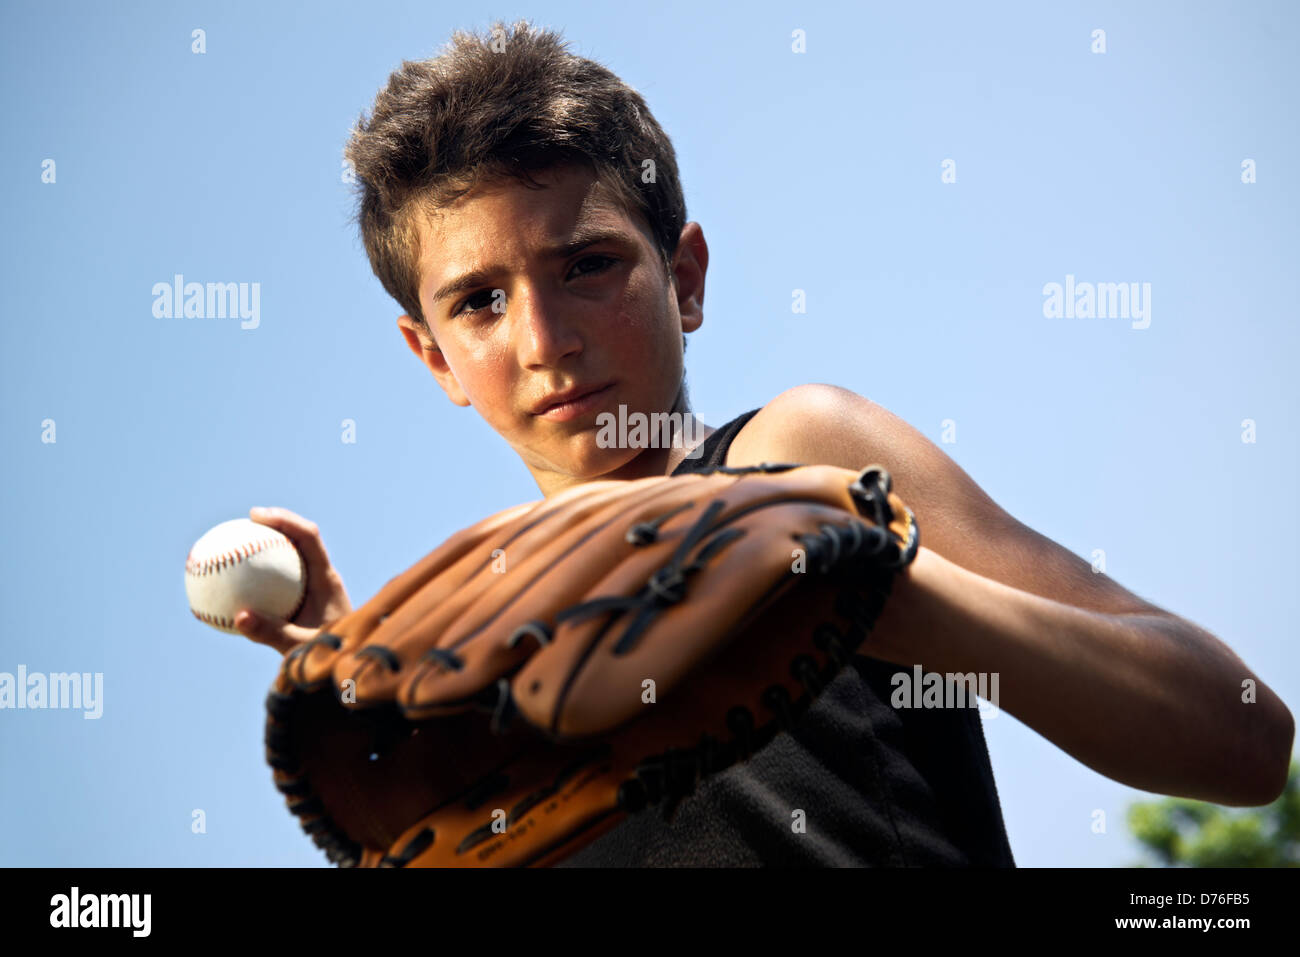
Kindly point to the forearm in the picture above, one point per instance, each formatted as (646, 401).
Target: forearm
(1150, 701)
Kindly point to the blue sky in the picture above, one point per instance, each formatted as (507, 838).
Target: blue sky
(819, 171)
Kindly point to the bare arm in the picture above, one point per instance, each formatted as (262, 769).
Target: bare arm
(1148, 700)
(1128, 688)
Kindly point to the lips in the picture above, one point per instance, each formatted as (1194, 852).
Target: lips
(568, 396)
(577, 403)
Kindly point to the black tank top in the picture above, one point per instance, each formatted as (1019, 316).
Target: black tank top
(878, 785)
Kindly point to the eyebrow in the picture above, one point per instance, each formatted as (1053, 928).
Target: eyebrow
(479, 277)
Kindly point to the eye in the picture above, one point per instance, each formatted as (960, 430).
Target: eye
(605, 263)
(482, 292)
(607, 260)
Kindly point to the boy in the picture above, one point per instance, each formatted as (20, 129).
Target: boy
(524, 208)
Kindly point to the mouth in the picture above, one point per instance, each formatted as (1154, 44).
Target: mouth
(579, 405)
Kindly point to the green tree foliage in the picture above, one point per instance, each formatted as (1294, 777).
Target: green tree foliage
(1183, 833)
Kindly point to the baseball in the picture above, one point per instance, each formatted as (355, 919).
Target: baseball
(243, 564)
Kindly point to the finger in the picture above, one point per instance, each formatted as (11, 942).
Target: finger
(272, 631)
(303, 533)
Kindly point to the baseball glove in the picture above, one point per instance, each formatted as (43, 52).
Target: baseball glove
(565, 663)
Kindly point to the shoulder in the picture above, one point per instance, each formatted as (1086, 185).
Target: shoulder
(813, 424)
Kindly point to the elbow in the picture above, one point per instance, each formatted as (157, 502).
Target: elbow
(1270, 766)
(1279, 769)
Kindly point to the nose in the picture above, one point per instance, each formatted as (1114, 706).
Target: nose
(546, 332)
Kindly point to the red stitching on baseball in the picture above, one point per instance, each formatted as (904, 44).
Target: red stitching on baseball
(218, 562)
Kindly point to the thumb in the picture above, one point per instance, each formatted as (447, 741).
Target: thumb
(269, 630)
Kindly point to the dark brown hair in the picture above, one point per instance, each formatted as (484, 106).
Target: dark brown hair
(490, 107)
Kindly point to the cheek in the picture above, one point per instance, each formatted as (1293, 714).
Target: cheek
(644, 318)
(648, 344)
(482, 370)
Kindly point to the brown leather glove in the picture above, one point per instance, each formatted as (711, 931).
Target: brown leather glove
(564, 663)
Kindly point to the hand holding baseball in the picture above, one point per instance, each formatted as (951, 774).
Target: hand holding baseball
(326, 598)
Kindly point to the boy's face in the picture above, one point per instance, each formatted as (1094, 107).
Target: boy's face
(604, 316)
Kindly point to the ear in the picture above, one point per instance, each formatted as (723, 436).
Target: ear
(427, 351)
(690, 263)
